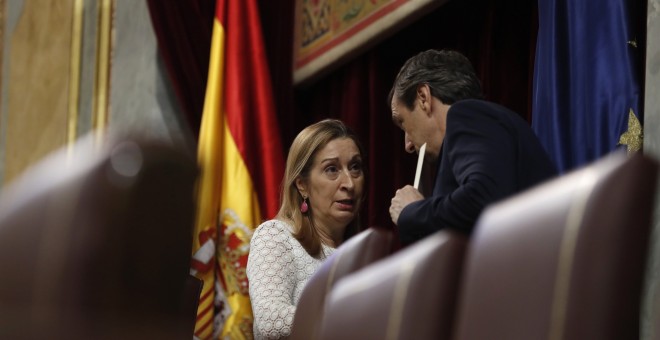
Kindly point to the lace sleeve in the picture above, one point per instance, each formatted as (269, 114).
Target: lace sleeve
(270, 271)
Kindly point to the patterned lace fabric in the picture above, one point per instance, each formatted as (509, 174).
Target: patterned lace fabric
(278, 269)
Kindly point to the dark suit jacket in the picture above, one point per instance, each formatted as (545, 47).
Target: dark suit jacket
(489, 153)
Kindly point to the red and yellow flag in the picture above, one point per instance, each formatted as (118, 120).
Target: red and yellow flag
(241, 164)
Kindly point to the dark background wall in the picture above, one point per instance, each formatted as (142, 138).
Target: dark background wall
(498, 37)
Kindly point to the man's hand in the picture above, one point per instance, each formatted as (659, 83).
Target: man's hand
(403, 197)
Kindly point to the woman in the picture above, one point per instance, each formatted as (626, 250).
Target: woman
(322, 191)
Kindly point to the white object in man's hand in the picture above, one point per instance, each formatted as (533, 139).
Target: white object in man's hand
(401, 199)
(420, 162)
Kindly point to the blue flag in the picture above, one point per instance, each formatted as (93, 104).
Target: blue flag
(587, 93)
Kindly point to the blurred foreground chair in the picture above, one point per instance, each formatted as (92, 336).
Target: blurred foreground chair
(564, 260)
(98, 246)
(409, 295)
(359, 251)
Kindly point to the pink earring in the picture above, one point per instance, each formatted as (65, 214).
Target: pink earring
(304, 207)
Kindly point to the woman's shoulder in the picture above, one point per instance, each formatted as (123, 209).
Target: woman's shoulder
(278, 225)
(272, 229)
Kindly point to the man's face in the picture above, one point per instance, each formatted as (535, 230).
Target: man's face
(413, 123)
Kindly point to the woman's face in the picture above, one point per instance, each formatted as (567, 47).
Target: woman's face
(335, 184)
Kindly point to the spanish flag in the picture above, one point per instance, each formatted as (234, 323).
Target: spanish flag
(241, 163)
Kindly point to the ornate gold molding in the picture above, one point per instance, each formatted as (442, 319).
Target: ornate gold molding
(103, 65)
(74, 73)
(2, 40)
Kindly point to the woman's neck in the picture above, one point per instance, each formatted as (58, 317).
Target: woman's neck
(331, 237)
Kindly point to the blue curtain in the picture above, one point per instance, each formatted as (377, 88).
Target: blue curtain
(586, 77)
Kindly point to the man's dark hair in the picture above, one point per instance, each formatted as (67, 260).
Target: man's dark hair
(449, 74)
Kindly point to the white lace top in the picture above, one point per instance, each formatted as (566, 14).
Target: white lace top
(278, 268)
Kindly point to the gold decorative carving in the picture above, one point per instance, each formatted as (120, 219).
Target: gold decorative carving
(633, 138)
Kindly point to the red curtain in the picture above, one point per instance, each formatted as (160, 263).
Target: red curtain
(499, 37)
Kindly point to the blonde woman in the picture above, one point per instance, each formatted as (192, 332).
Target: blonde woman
(322, 192)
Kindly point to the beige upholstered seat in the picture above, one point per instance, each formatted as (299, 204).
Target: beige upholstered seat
(359, 251)
(98, 246)
(564, 260)
(409, 295)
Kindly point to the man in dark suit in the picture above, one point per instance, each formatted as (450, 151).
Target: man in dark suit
(486, 152)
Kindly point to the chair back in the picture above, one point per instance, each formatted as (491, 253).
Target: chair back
(359, 251)
(563, 260)
(97, 245)
(409, 295)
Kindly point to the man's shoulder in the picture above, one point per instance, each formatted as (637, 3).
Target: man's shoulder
(475, 109)
(477, 105)
(471, 109)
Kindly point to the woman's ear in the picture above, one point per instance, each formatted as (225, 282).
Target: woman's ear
(302, 187)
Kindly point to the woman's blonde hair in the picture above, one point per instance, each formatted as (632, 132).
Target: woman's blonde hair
(298, 163)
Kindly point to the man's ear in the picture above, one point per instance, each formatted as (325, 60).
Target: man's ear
(424, 97)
